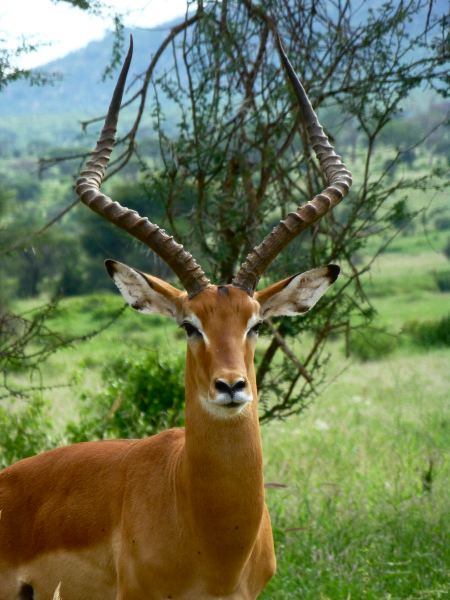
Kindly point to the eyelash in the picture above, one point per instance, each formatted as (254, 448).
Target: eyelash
(255, 329)
(190, 329)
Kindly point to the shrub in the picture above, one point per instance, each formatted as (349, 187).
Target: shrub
(371, 344)
(140, 398)
(25, 431)
(429, 334)
(442, 223)
(447, 249)
(442, 279)
(71, 282)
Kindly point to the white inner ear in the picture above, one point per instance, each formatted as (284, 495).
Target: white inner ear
(299, 296)
(139, 294)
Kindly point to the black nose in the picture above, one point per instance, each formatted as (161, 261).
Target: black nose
(239, 385)
(226, 388)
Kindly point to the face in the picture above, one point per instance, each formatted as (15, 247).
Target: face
(221, 325)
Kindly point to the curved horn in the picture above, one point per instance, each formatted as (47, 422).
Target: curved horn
(339, 180)
(88, 184)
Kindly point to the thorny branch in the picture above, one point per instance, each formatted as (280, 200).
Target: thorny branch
(27, 340)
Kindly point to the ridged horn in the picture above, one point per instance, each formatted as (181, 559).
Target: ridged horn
(338, 178)
(88, 184)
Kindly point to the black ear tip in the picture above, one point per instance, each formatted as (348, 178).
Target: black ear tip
(333, 272)
(110, 266)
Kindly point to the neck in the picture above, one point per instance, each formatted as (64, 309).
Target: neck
(224, 481)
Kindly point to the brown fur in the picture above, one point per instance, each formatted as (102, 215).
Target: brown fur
(178, 515)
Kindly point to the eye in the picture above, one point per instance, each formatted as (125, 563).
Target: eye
(190, 329)
(255, 329)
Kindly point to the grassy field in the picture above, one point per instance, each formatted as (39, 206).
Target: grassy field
(364, 513)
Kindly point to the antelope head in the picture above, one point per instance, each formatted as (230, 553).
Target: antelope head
(221, 322)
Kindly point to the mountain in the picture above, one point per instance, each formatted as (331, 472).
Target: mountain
(78, 88)
(36, 119)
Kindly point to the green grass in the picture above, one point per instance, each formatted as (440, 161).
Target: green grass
(419, 243)
(395, 311)
(393, 274)
(402, 288)
(356, 519)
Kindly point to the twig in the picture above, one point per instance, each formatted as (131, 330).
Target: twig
(288, 352)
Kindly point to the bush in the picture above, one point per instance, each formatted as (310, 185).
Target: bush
(442, 223)
(447, 249)
(430, 334)
(25, 431)
(71, 282)
(140, 399)
(371, 344)
(442, 279)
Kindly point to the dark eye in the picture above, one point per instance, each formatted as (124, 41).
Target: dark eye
(190, 329)
(255, 329)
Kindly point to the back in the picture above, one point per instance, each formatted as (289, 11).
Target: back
(78, 517)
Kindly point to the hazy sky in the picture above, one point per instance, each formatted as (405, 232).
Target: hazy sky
(63, 28)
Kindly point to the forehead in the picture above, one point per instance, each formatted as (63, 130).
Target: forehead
(222, 303)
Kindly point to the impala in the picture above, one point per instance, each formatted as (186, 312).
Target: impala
(179, 515)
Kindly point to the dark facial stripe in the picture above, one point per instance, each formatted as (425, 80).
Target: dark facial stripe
(222, 290)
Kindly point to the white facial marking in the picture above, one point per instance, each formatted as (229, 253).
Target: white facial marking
(254, 320)
(195, 321)
(240, 397)
(217, 406)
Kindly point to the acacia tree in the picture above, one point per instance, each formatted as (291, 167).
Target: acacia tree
(239, 153)
(235, 157)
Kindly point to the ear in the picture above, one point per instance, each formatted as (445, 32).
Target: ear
(143, 292)
(297, 294)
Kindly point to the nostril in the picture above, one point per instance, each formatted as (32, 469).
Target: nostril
(239, 385)
(223, 387)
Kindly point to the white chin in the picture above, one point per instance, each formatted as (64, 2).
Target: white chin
(222, 407)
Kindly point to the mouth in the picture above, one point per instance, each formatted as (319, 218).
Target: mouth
(228, 401)
(223, 404)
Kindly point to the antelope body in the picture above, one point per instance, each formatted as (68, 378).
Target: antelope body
(180, 515)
